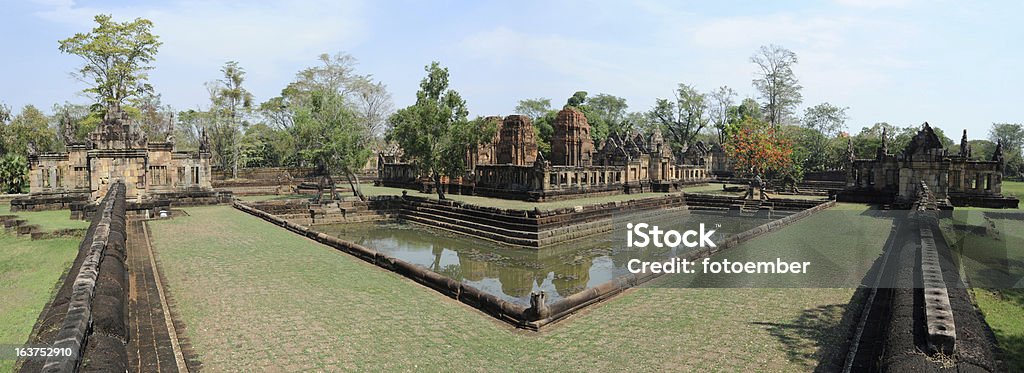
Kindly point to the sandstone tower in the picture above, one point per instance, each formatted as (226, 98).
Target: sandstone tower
(571, 144)
(517, 144)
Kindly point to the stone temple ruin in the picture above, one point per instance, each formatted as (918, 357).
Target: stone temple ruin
(118, 150)
(510, 166)
(954, 179)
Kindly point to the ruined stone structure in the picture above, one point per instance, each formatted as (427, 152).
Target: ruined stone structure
(956, 179)
(117, 150)
(516, 143)
(510, 166)
(571, 145)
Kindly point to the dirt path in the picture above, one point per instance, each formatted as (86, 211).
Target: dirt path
(154, 344)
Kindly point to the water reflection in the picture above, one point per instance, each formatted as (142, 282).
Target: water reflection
(512, 273)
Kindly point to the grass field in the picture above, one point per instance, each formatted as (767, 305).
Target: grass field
(257, 297)
(29, 271)
(47, 220)
(993, 260)
(1014, 188)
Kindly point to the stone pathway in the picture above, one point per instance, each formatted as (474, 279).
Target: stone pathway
(153, 345)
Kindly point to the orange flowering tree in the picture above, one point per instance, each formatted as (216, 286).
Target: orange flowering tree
(760, 150)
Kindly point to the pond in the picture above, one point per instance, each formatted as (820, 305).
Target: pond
(512, 273)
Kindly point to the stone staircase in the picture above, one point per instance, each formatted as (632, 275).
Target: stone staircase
(750, 206)
(347, 211)
(20, 227)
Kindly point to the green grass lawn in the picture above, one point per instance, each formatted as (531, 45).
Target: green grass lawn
(256, 297)
(47, 220)
(1004, 312)
(993, 260)
(29, 271)
(1014, 188)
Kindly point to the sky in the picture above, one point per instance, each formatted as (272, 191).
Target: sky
(957, 65)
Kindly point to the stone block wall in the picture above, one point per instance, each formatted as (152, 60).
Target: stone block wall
(89, 312)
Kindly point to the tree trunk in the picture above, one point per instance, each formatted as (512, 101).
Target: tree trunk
(320, 190)
(334, 188)
(437, 185)
(354, 184)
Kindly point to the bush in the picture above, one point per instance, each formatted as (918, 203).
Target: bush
(13, 173)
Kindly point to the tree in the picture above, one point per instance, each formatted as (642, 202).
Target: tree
(758, 149)
(823, 123)
(869, 139)
(373, 104)
(117, 56)
(5, 113)
(610, 111)
(82, 117)
(577, 99)
(153, 116)
(776, 82)
(1011, 135)
(543, 117)
(189, 127)
(719, 103)
(13, 173)
(231, 103)
(30, 126)
(429, 129)
(683, 118)
(330, 116)
(256, 148)
(333, 138)
(598, 126)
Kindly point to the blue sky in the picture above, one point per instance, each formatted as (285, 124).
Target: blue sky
(954, 64)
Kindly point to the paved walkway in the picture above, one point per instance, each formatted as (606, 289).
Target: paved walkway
(153, 346)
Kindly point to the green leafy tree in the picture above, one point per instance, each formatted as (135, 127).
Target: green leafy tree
(682, 118)
(719, 103)
(367, 100)
(598, 126)
(428, 131)
(13, 173)
(543, 117)
(82, 117)
(609, 110)
(982, 149)
(1011, 135)
(30, 126)
(117, 56)
(776, 82)
(333, 139)
(869, 139)
(256, 147)
(231, 106)
(823, 123)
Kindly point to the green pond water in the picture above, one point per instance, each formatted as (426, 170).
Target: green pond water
(512, 273)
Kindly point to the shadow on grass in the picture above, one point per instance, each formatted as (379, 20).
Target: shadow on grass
(816, 338)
